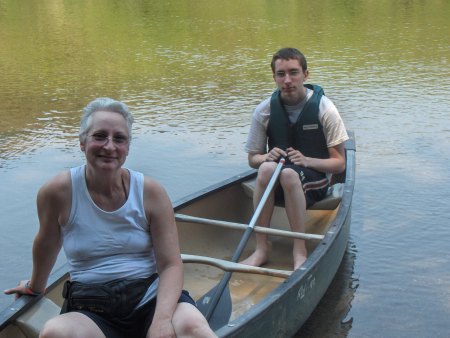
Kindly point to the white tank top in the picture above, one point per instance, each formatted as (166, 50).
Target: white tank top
(100, 245)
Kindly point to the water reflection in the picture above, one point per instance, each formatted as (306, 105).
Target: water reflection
(330, 318)
(193, 71)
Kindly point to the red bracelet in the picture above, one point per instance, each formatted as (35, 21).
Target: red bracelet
(29, 291)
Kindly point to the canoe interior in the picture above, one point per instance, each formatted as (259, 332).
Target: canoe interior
(228, 204)
(233, 205)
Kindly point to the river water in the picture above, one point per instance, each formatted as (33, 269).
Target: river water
(192, 72)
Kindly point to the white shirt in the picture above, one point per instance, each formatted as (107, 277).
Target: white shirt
(333, 126)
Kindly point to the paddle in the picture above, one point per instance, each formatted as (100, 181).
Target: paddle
(216, 303)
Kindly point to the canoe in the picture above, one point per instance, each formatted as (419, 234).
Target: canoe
(268, 301)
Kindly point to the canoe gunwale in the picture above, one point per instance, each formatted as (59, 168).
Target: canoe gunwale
(24, 303)
(203, 193)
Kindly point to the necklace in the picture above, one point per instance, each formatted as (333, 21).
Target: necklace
(122, 179)
(124, 187)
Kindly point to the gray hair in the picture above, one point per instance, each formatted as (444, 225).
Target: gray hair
(103, 104)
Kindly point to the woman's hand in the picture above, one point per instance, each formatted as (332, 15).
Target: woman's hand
(162, 329)
(22, 289)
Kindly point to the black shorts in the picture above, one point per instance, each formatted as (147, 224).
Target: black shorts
(315, 185)
(136, 324)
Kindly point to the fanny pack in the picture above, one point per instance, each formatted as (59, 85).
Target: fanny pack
(115, 299)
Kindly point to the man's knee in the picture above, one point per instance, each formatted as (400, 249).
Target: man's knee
(265, 172)
(289, 179)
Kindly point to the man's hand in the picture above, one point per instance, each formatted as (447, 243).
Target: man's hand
(297, 157)
(275, 154)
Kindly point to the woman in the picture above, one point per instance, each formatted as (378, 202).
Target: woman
(117, 229)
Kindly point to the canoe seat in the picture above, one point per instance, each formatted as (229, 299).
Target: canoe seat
(31, 322)
(332, 198)
(330, 202)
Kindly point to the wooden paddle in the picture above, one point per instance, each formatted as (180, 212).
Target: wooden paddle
(216, 303)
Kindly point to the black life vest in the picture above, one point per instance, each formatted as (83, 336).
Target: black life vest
(306, 134)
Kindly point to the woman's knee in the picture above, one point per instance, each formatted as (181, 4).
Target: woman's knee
(189, 322)
(53, 328)
(70, 325)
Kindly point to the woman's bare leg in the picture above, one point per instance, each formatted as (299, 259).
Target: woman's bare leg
(189, 322)
(71, 325)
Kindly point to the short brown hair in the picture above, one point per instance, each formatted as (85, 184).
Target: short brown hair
(287, 54)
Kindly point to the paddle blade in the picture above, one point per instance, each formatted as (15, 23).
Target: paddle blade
(222, 312)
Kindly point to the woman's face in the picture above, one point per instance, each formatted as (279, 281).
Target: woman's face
(107, 142)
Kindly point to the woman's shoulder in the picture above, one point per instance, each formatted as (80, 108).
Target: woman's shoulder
(156, 199)
(152, 186)
(54, 198)
(60, 180)
(57, 186)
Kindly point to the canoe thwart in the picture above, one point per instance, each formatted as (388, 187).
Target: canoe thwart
(235, 267)
(240, 226)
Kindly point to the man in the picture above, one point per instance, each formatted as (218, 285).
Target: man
(298, 122)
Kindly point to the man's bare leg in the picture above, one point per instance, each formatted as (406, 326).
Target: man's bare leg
(299, 252)
(261, 254)
(295, 204)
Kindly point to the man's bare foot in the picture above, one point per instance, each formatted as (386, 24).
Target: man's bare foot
(300, 253)
(298, 261)
(257, 258)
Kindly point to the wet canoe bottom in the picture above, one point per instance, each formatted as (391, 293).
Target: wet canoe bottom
(249, 289)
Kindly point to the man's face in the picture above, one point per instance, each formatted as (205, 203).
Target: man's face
(289, 77)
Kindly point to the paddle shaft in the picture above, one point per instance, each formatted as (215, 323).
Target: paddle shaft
(247, 233)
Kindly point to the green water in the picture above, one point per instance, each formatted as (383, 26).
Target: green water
(193, 71)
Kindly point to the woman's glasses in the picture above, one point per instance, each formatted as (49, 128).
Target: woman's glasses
(102, 139)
